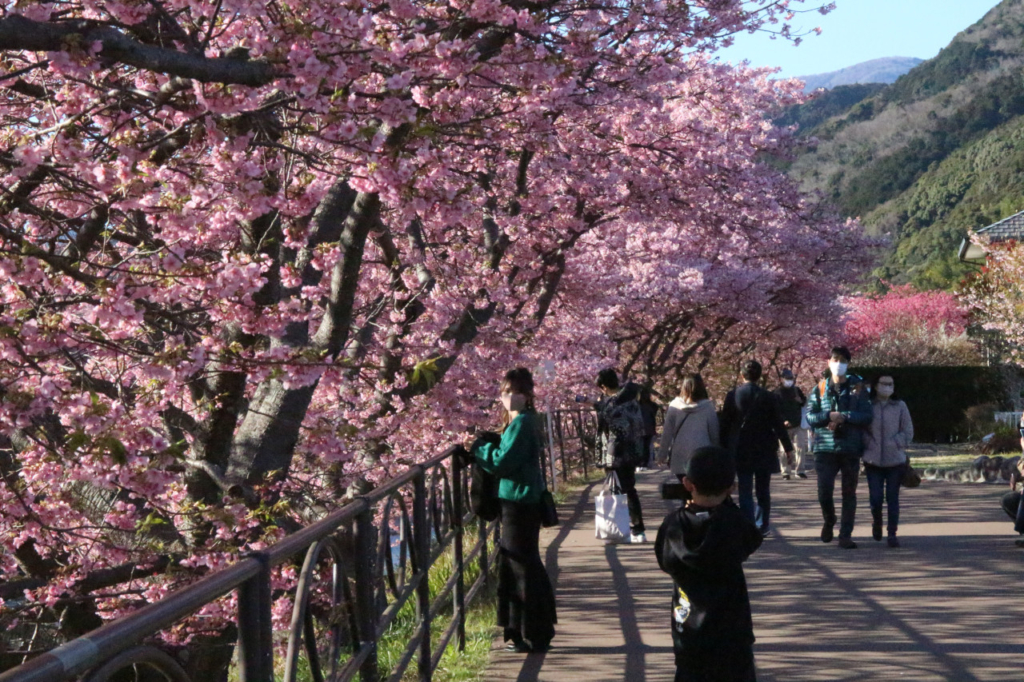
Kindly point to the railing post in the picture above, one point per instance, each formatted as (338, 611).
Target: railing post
(366, 606)
(421, 536)
(459, 594)
(561, 446)
(481, 532)
(255, 634)
(553, 482)
(583, 442)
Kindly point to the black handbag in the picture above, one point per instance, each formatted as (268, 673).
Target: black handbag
(911, 479)
(548, 510)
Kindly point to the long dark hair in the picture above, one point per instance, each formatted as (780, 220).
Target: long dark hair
(692, 388)
(518, 380)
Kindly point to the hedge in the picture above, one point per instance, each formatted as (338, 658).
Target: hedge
(938, 396)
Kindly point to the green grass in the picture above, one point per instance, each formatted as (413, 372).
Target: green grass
(481, 615)
(455, 665)
(942, 461)
(568, 490)
(957, 461)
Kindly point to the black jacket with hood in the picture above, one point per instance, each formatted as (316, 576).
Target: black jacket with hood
(704, 550)
(620, 428)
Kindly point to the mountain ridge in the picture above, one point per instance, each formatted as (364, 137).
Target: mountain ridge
(929, 156)
(884, 70)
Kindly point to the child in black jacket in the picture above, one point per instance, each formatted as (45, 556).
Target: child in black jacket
(703, 546)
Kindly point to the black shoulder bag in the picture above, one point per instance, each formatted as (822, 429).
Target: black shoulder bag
(548, 510)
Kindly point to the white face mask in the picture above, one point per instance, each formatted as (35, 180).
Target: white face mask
(837, 368)
(788, 383)
(885, 391)
(513, 402)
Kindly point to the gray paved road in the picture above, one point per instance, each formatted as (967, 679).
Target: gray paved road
(948, 605)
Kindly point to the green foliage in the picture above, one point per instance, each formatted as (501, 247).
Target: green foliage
(975, 186)
(936, 153)
(995, 104)
(825, 105)
(938, 396)
(950, 67)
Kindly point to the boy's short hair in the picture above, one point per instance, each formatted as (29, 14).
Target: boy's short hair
(841, 351)
(751, 370)
(608, 378)
(712, 470)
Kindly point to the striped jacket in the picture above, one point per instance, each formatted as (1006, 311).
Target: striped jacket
(850, 399)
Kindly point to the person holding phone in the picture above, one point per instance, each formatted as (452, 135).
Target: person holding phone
(526, 598)
(1013, 501)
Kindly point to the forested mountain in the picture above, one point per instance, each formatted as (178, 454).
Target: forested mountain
(885, 70)
(924, 159)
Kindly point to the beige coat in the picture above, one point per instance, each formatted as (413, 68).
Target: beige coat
(889, 434)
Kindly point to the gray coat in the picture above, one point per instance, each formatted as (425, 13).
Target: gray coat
(697, 426)
(889, 434)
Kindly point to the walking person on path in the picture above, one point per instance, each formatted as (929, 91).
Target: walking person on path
(526, 599)
(620, 441)
(838, 410)
(752, 429)
(792, 401)
(703, 546)
(885, 457)
(649, 411)
(690, 423)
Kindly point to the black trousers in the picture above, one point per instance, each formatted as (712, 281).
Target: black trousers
(715, 664)
(749, 484)
(1013, 505)
(627, 479)
(526, 599)
(829, 465)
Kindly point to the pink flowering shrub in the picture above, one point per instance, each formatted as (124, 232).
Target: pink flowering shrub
(908, 327)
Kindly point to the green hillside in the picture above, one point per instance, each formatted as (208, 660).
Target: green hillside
(939, 151)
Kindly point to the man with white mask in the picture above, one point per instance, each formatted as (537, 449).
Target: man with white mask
(792, 401)
(838, 410)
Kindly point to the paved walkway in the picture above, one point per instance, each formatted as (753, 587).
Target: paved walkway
(948, 605)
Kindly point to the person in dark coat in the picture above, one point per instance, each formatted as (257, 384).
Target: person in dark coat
(620, 441)
(752, 428)
(703, 546)
(649, 411)
(792, 400)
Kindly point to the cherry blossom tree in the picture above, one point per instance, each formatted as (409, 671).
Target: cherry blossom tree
(252, 253)
(995, 296)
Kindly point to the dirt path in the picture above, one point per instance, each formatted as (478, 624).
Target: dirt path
(945, 606)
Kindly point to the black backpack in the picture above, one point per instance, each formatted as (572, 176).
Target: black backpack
(483, 486)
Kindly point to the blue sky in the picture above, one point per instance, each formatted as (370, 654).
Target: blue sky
(859, 30)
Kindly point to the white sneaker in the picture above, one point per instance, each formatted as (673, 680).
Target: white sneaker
(636, 539)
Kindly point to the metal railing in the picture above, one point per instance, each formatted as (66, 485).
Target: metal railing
(375, 554)
(572, 443)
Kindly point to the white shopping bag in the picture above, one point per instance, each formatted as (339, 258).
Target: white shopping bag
(611, 512)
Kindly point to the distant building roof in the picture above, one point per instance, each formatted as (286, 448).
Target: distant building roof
(1005, 230)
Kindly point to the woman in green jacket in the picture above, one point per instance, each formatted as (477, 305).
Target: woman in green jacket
(526, 599)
